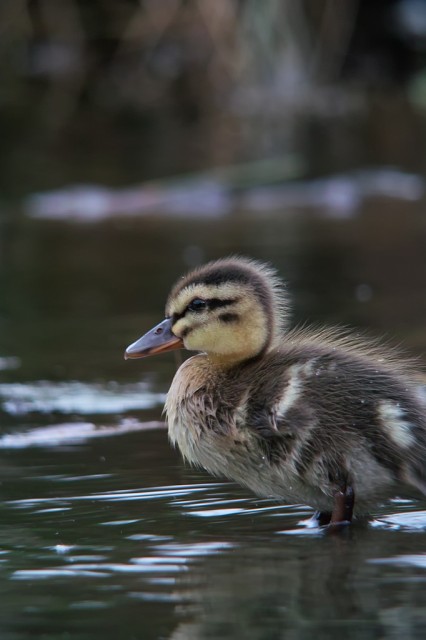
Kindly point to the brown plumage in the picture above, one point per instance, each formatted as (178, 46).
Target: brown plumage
(305, 416)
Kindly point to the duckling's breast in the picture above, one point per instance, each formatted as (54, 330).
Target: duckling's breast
(204, 422)
(208, 422)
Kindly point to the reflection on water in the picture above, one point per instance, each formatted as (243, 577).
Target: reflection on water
(105, 534)
(72, 433)
(76, 397)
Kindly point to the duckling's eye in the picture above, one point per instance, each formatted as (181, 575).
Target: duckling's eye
(197, 305)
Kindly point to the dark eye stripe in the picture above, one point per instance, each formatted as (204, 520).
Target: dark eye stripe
(216, 303)
(211, 304)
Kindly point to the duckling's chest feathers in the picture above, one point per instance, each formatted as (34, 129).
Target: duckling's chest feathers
(298, 429)
(206, 417)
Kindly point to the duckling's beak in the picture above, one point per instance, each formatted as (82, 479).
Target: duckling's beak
(157, 340)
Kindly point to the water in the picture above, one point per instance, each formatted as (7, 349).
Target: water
(105, 533)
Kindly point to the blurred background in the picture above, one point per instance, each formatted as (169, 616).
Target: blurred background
(139, 138)
(116, 92)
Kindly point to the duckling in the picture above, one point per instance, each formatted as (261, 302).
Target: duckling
(301, 415)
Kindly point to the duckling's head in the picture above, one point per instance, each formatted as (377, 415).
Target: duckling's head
(233, 309)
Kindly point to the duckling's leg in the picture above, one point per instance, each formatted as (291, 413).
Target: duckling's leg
(322, 518)
(343, 505)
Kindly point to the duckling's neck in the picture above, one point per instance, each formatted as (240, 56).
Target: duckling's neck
(221, 361)
(225, 361)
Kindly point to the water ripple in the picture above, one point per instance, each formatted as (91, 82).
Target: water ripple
(103, 569)
(168, 559)
(196, 549)
(406, 521)
(72, 433)
(409, 560)
(76, 397)
(119, 495)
